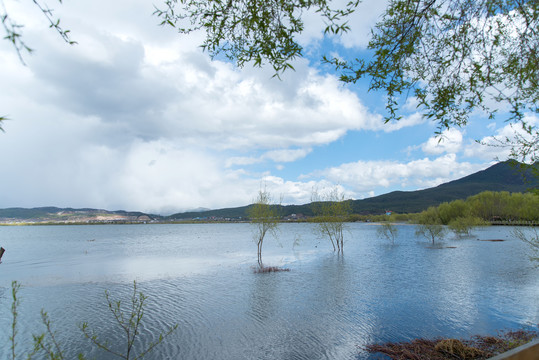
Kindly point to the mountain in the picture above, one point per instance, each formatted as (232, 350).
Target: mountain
(508, 176)
(504, 176)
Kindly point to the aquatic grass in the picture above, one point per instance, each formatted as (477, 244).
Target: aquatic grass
(478, 347)
(269, 269)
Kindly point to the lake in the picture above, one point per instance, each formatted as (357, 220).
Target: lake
(201, 277)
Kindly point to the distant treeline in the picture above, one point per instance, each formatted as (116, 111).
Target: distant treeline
(492, 206)
(487, 206)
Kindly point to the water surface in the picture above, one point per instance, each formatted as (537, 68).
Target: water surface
(201, 277)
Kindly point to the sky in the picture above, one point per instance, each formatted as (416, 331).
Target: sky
(137, 117)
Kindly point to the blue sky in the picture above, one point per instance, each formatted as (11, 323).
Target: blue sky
(136, 117)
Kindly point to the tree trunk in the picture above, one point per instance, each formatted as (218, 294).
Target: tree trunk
(260, 252)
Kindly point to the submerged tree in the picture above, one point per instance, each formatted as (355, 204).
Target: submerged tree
(264, 215)
(462, 226)
(331, 211)
(388, 230)
(429, 225)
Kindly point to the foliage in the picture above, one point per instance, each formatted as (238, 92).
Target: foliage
(388, 230)
(252, 31)
(487, 206)
(331, 211)
(490, 205)
(130, 322)
(265, 217)
(455, 55)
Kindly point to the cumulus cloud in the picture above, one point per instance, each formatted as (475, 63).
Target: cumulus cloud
(364, 176)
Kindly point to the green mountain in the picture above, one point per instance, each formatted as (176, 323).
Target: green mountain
(508, 176)
(504, 176)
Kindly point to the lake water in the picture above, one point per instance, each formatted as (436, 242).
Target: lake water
(201, 277)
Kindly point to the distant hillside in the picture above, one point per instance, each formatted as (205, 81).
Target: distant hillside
(54, 214)
(504, 176)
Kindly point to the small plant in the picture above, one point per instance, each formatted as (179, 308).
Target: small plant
(129, 321)
(48, 347)
(15, 286)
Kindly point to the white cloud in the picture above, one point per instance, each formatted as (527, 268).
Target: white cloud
(450, 141)
(491, 126)
(406, 121)
(411, 104)
(364, 176)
